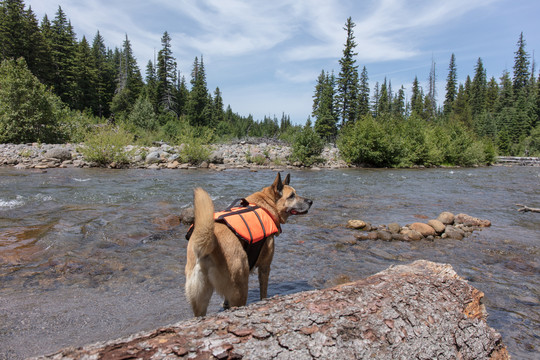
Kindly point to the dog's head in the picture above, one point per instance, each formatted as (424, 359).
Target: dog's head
(287, 201)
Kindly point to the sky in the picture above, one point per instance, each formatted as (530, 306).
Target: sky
(265, 56)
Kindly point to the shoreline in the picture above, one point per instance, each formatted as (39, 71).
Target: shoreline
(241, 155)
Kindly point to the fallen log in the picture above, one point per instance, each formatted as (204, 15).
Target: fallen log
(423, 311)
(526, 209)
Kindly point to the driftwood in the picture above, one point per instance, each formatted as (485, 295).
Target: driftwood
(418, 311)
(526, 209)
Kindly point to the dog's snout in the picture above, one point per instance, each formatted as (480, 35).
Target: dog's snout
(310, 202)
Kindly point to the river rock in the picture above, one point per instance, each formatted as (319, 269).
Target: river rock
(437, 226)
(423, 229)
(153, 157)
(58, 153)
(384, 235)
(468, 220)
(187, 216)
(454, 233)
(394, 228)
(447, 218)
(412, 235)
(356, 224)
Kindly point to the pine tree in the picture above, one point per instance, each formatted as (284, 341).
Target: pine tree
(319, 87)
(398, 105)
(347, 82)
(521, 67)
(430, 101)
(363, 94)
(417, 98)
(323, 109)
(166, 76)
(451, 86)
(151, 85)
(128, 81)
(85, 94)
(478, 90)
(63, 47)
(198, 96)
(218, 114)
(105, 74)
(492, 95)
(383, 105)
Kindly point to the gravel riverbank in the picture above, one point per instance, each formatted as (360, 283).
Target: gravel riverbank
(222, 156)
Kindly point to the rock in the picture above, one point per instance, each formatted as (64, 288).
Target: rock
(398, 237)
(411, 234)
(454, 233)
(468, 220)
(58, 153)
(187, 216)
(384, 235)
(21, 166)
(394, 228)
(153, 157)
(356, 224)
(447, 218)
(173, 165)
(437, 225)
(423, 229)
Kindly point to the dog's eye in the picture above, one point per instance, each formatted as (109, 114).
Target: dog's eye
(292, 196)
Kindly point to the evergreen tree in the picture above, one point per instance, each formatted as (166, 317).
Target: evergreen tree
(375, 100)
(478, 90)
(151, 85)
(417, 97)
(166, 76)
(462, 108)
(105, 75)
(383, 106)
(347, 82)
(182, 95)
(323, 109)
(430, 101)
(492, 95)
(198, 96)
(318, 93)
(363, 94)
(64, 48)
(86, 78)
(128, 81)
(521, 67)
(398, 105)
(218, 114)
(451, 86)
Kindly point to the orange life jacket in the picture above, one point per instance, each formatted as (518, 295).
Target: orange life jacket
(250, 223)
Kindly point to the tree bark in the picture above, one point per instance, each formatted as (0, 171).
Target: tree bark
(526, 209)
(419, 311)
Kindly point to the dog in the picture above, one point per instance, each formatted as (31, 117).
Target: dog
(216, 258)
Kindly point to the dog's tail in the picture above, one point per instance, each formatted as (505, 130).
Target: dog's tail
(203, 238)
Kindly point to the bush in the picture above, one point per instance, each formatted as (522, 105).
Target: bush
(371, 143)
(28, 111)
(106, 145)
(307, 146)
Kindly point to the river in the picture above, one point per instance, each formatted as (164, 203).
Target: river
(89, 255)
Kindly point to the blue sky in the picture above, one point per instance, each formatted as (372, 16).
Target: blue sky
(265, 56)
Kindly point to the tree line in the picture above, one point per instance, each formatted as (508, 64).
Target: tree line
(503, 114)
(102, 83)
(55, 88)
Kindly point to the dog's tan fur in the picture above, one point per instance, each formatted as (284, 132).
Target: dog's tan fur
(216, 259)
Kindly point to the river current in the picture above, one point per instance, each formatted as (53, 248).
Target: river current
(90, 255)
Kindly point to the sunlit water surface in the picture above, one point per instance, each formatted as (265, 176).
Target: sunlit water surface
(88, 255)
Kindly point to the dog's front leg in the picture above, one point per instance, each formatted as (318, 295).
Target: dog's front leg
(264, 274)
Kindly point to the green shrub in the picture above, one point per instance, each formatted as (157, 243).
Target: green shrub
(106, 145)
(371, 143)
(29, 112)
(307, 146)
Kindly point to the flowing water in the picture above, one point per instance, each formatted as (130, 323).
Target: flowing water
(89, 254)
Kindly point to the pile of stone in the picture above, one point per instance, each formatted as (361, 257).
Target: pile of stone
(447, 225)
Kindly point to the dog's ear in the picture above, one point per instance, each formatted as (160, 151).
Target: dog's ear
(287, 179)
(278, 185)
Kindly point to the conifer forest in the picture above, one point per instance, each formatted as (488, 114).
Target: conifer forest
(56, 87)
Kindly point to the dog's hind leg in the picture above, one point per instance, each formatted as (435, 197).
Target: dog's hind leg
(264, 274)
(198, 291)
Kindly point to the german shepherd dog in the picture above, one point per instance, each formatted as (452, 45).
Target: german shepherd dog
(216, 259)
